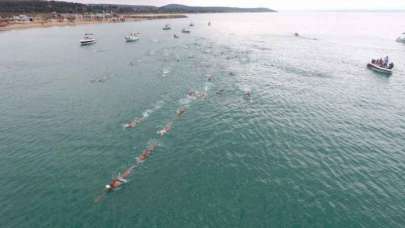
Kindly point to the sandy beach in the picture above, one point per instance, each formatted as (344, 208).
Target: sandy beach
(41, 23)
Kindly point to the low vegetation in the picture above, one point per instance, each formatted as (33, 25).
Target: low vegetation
(13, 7)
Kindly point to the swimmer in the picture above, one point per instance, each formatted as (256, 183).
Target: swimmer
(166, 129)
(129, 125)
(152, 147)
(120, 180)
(202, 95)
(126, 174)
(220, 92)
(141, 158)
(175, 36)
(210, 78)
(146, 153)
(191, 93)
(134, 123)
(180, 111)
(248, 93)
(113, 185)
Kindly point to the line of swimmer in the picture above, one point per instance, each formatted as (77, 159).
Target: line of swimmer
(122, 179)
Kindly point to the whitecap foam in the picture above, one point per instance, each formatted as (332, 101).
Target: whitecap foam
(165, 72)
(187, 100)
(156, 107)
(208, 86)
(145, 115)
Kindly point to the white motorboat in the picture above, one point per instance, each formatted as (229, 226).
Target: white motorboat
(380, 69)
(401, 38)
(167, 27)
(185, 31)
(132, 37)
(88, 39)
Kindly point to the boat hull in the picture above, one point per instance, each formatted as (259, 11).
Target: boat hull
(129, 40)
(379, 69)
(87, 42)
(401, 40)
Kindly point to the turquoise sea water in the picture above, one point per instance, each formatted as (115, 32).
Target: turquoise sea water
(320, 142)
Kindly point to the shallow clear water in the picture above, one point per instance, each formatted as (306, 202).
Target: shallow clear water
(320, 143)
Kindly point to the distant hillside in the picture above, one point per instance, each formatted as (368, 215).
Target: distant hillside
(39, 6)
(199, 9)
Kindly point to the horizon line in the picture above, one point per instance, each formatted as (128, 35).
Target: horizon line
(250, 7)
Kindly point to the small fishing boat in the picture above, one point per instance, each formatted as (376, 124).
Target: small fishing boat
(401, 38)
(132, 37)
(88, 39)
(167, 27)
(379, 69)
(185, 31)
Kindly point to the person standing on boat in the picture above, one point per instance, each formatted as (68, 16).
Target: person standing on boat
(386, 60)
(380, 62)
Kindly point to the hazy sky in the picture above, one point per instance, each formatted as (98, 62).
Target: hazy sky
(274, 4)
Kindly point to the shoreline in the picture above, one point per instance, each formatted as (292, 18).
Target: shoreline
(39, 23)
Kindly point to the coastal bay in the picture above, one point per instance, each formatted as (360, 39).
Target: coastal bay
(41, 21)
(276, 130)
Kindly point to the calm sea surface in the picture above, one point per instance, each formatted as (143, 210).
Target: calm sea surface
(320, 142)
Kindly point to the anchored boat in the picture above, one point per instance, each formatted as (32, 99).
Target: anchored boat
(88, 39)
(401, 38)
(185, 31)
(132, 37)
(380, 69)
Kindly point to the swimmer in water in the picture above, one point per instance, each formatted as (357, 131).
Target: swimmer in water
(202, 95)
(191, 93)
(210, 78)
(120, 180)
(134, 123)
(113, 185)
(129, 125)
(220, 92)
(166, 129)
(146, 153)
(248, 93)
(180, 111)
